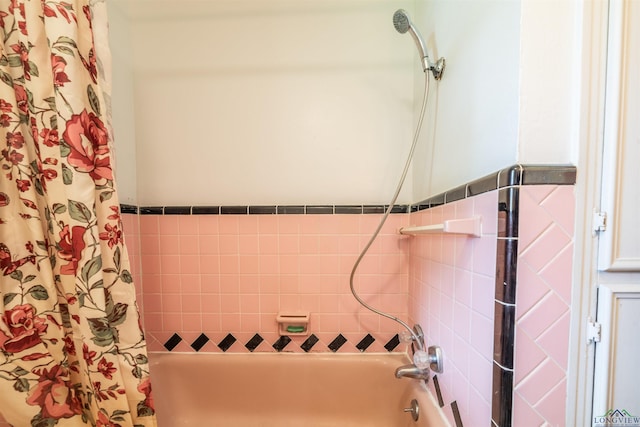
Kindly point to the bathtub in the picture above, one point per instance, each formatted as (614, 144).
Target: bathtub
(287, 390)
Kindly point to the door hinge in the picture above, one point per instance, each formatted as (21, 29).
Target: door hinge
(594, 331)
(599, 222)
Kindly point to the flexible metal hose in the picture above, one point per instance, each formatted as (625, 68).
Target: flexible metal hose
(416, 135)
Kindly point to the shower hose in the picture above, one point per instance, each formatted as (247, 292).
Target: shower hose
(384, 219)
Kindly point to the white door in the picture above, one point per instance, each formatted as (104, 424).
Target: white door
(616, 381)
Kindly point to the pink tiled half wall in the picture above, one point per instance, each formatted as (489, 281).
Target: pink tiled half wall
(543, 301)
(220, 274)
(451, 288)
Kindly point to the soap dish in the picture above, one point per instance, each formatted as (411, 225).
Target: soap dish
(293, 323)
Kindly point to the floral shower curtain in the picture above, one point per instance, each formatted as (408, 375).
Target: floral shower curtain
(72, 351)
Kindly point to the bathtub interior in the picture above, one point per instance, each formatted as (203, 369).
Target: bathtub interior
(284, 389)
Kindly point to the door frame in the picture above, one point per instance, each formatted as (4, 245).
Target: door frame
(591, 108)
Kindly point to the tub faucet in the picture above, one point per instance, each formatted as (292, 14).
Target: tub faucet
(412, 371)
(422, 361)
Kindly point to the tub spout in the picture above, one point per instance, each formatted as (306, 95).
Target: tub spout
(412, 371)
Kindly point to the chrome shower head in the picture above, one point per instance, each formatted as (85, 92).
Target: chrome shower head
(402, 24)
(401, 21)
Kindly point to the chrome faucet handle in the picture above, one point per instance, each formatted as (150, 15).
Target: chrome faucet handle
(436, 359)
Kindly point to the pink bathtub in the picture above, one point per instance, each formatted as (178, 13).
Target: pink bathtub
(287, 390)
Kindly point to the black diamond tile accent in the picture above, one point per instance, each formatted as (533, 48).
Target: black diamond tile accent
(456, 414)
(281, 343)
(337, 343)
(436, 384)
(393, 343)
(199, 342)
(227, 342)
(254, 342)
(309, 343)
(365, 342)
(172, 342)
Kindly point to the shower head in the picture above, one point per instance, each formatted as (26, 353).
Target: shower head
(402, 23)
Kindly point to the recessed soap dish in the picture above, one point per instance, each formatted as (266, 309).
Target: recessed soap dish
(293, 323)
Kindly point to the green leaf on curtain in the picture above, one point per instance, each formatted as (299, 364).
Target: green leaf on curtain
(126, 276)
(51, 101)
(105, 195)
(16, 275)
(91, 267)
(116, 258)
(8, 298)
(29, 278)
(34, 69)
(19, 371)
(53, 124)
(15, 61)
(67, 175)
(102, 333)
(38, 421)
(137, 372)
(39, 292)
(94, 101)
(59, 208)
(118, 315)
(144, 410)
(65, 317)
(38, 186)
(64, 147)
(66, 50)
(79, 211)
(141, 359)
(21, 385)
(67, 40)
(30, 104)
(98, 285)
(6, 78)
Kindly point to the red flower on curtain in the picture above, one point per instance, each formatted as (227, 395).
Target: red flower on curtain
(112, 235)
(25, 329)
(57, 65)
(145, 388)
(106, 368)
(54, 395)
(70, 248)
(88, 141)
(22, 100)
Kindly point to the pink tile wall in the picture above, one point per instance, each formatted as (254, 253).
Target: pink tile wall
(234, 273)
(451, 288)
(543, 303)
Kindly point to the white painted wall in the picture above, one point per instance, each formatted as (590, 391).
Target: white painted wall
(313, 102)
(272, 103)
(471, 126)
(122, 106)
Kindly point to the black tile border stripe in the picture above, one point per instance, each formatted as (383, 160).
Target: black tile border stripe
(511, 176)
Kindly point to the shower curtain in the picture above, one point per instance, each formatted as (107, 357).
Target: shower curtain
(72, 351)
